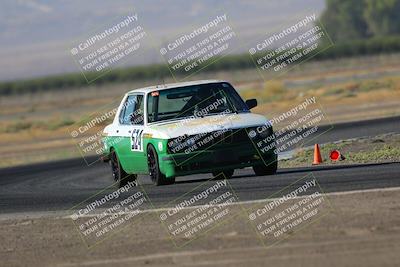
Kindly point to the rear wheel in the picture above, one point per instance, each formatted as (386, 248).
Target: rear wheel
(119, 175)
(154, 169)
(227, 174)
(261, 170)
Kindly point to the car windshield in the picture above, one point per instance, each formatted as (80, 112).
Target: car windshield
(196, 100)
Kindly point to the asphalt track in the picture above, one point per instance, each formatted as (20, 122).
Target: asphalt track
(59, 186)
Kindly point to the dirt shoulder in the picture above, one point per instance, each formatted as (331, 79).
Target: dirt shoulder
(361, 229)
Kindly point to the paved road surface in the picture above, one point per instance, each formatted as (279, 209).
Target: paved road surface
(60, 185)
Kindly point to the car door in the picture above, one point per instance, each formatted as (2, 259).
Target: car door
(131, 125)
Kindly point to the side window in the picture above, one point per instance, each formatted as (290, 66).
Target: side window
(137, 116)
(121, 114)
(132, 111)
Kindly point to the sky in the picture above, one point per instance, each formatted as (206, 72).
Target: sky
(36, 36)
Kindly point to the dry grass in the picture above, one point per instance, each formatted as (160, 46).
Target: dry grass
(346, 89)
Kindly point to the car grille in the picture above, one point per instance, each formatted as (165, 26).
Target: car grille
(204, 141)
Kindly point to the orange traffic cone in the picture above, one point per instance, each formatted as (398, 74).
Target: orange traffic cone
(317, 155)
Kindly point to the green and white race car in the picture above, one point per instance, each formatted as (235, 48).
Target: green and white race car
(187, 128)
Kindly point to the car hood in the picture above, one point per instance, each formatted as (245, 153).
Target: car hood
(191, 126)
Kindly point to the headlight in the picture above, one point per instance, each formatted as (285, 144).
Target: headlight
(260, 132)
(264, 131)
(189, 142)
(178, 144)
(252, 133)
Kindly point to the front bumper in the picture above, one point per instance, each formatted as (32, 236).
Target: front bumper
(213, 160)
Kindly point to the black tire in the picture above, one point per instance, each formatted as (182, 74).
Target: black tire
(261, 170)
(227, 173)
(119, 175)
(154, 168)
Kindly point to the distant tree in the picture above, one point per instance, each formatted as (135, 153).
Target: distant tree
(357, 19)
(383, 17)
(344, 19)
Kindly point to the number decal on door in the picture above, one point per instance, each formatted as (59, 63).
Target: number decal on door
(137, 140)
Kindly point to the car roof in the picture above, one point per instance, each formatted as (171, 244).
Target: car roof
(160, 87)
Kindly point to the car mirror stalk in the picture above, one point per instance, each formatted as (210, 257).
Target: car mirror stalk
(251, 103)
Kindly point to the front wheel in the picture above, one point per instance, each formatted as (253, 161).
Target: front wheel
(154, 169)
(119, 175)
(262, 169)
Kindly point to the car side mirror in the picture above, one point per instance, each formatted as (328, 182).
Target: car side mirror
(251, 103)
